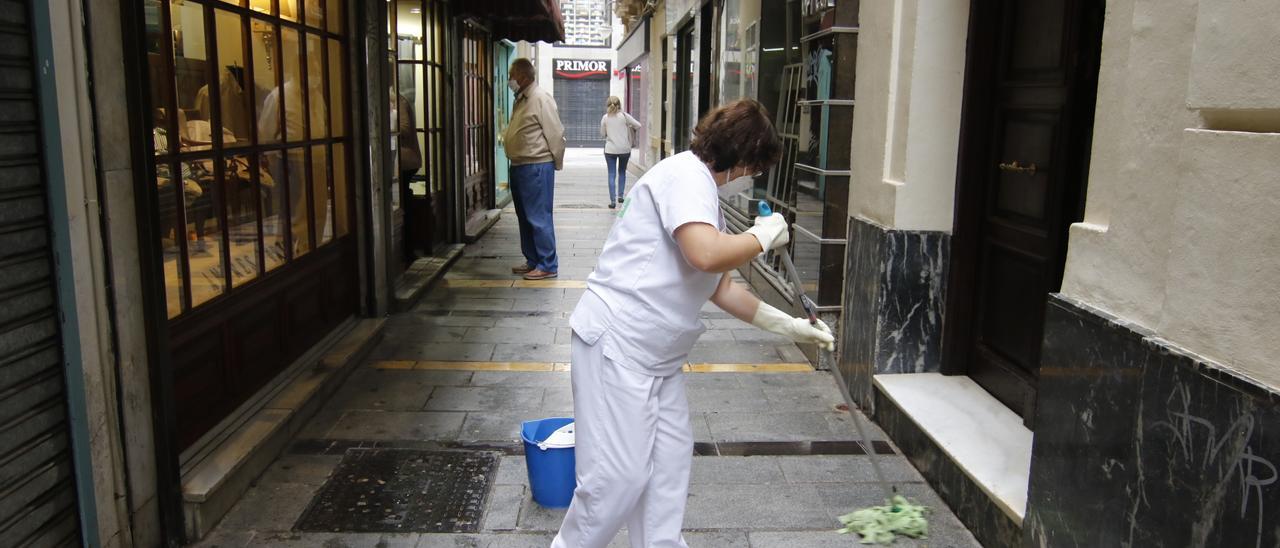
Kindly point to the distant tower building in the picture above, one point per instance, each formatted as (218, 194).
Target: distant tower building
(587, 22)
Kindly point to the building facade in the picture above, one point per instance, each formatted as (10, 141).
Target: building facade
(583, 71)
(1043, 231)
(210, 206)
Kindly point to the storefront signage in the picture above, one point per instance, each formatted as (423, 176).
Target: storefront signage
(582, 69)
(635, 45)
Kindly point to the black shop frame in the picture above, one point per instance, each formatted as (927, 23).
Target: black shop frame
(274, 302)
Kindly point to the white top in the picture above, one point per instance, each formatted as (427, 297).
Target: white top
(642, 300)
(616, 130)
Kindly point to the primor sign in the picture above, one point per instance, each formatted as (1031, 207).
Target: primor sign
(580, 69)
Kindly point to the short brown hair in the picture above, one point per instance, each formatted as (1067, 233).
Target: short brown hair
(737, 134)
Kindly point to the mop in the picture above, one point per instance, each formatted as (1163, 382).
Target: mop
(898, 516)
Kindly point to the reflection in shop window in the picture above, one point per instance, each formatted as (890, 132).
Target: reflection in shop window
(337, 90)
(170, 232)
(203, 231)
(291, 59)
(320, 189)
(242, 218)
(317, 106)
(233, 95)
(299, 223)
(232, 203)
(341, 204)
(271, 187)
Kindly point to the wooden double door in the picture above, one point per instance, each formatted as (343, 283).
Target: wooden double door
(1031, 80)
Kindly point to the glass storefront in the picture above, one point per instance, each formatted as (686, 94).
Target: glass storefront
(248, 110)
(253, 186)
(422, 79)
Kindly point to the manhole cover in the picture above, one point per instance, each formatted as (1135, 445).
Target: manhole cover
(403, 490)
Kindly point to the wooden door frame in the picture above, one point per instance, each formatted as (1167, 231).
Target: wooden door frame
(975, 139)
(981, 63)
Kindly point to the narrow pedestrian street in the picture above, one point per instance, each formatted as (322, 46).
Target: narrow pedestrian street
(777, 461)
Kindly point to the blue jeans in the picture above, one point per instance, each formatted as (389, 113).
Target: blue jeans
(617, 164)
(533, 191)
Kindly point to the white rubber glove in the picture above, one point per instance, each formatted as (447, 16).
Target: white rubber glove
(771, 231)
(799, 330)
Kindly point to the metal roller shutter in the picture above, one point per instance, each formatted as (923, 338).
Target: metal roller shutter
(581, 104)
(37, 484)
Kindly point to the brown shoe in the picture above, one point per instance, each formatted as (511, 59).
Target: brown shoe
(539, 275)
(521, 268)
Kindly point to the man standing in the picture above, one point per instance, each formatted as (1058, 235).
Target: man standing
(534, 141)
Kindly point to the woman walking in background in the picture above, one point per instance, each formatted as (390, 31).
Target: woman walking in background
(616, 127)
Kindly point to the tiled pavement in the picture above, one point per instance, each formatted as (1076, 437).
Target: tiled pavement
(483, 351)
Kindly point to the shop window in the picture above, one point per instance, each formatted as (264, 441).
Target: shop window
(248, 109)
(421, 69)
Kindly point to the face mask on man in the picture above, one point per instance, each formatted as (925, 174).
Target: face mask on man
(513, 85)
(741, 183)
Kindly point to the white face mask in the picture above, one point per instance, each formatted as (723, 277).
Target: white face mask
(736, 185)
(513, 85)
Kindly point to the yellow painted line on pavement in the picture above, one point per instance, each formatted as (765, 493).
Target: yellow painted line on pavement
(563, 366)
(531, 284)
(452, 282)
(485, 366)
(394, 364)
(551, 284)
(750, 368)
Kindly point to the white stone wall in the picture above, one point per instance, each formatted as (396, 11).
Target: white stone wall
(1180, 231)
(910, 78)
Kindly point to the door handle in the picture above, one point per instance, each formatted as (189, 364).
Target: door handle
(1013, 167)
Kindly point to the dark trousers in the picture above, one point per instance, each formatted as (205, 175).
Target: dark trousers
(533, 192)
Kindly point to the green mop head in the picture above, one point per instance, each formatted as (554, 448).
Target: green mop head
(882, 524)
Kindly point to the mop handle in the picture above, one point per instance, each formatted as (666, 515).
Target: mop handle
(764, 210)
(805, 302)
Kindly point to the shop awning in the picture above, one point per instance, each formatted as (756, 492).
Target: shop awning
(530, 20)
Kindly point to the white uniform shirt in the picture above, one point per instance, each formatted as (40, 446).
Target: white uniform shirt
(616, 129)
(642, 300)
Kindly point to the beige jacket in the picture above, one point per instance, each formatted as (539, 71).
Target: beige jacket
(535, 134)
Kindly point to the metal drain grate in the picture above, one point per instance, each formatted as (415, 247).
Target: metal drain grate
(403, 491)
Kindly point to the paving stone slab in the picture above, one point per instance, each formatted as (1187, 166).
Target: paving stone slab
(296, 539)
(803, 398)
(521, 379)
(503, 509)
(558, 400)
(512, 470)
(727, 400)
(733, 506)
(484, 398)
(846, 469)
(268, 506)
(426, 351)
(496, 426)
(397, 425)
(727, 470)
(514, 540)
(799, 426)
(535, 517)
(531, 353)
(734, 352)
(304, 469)
(393, 390)
(527, 334)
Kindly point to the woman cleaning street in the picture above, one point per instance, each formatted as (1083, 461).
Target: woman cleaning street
(667, 254)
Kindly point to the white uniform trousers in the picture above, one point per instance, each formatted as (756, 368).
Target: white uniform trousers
(634, 448)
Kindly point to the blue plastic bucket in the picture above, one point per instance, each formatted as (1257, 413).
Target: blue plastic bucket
(551, 470)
